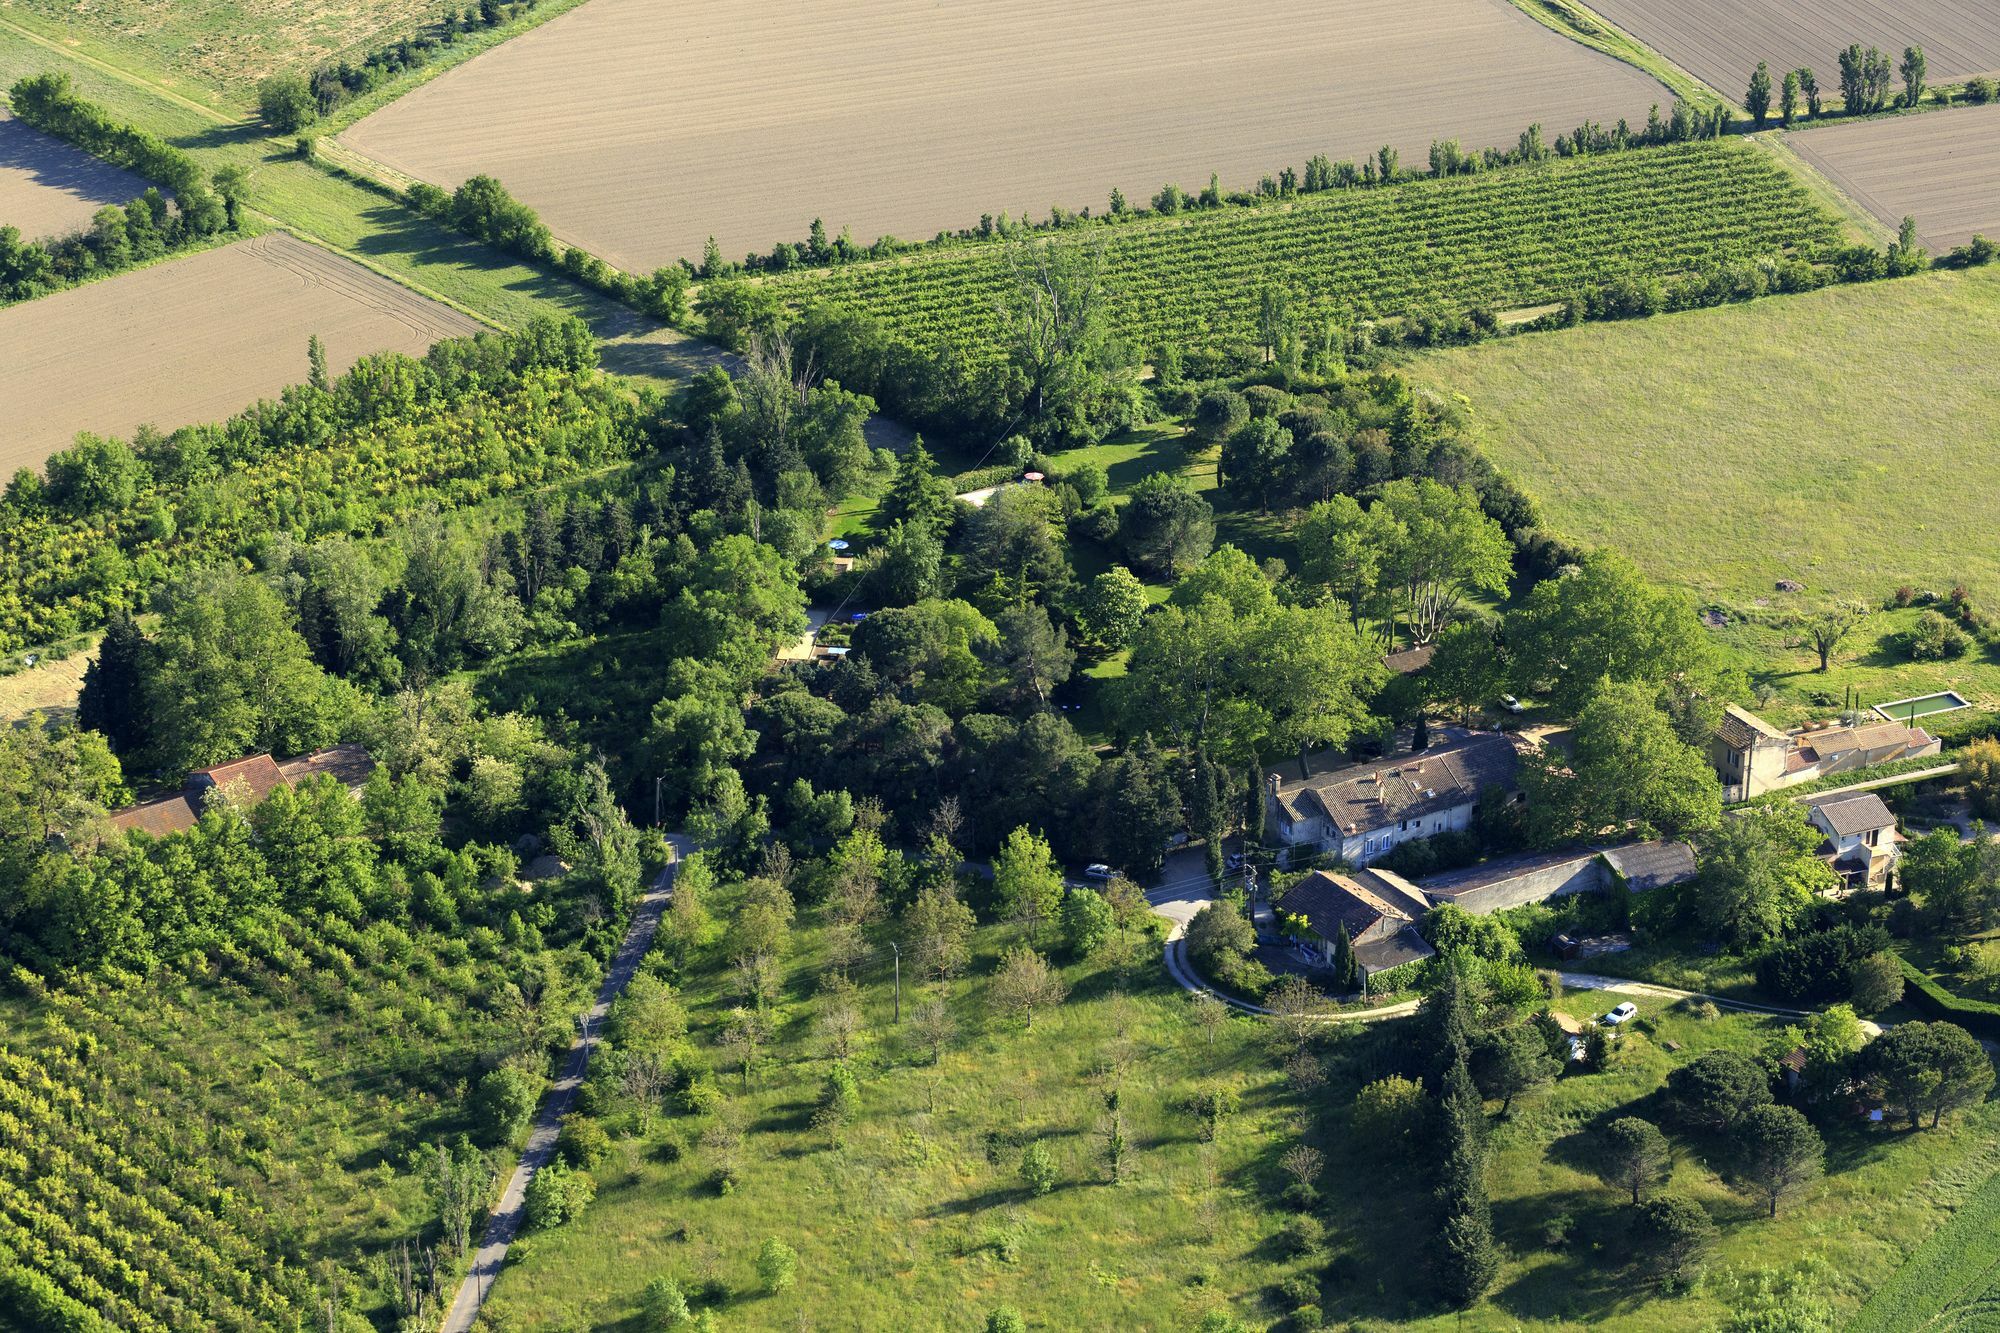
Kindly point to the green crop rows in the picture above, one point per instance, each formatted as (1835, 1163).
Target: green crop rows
(1512, 238)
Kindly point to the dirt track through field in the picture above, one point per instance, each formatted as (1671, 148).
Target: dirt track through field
(48, 188)
(197, 339)
(1941, 168)
(638, 129)
(1721, 41)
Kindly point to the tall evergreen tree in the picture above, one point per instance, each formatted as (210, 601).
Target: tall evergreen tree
(110, 702)
(1345, 969)
(917, 494)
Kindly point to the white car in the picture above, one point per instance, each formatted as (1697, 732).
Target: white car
(1511, 704)
(1622, 1014)
(1099, 871)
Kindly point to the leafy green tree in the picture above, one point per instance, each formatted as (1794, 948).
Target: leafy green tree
(448, 607)
(1956, 883)
(1219, 415)
(111, 702)
(1674, 1233)
(1929, 1069)
(1437, 547)
(1467, 669)
(503, 1102)
(1112, 607)
(1759, 872)
(1605, 622)
(1876, 983)
(1823, 630)
(1634, 1156)
(1831, 1039)
(1341, 548)
(1788, 98)
(1071, 375)
(1027, 884)
(1782, 1152)
(1033, 653)
(286, 103)
(229, 676)
(738, 601)
(1389, 1113)
(1913, 69)
(1165, 524)
(1254, 466)
(734, 312)
(1514, 1060)
(1219, 935)
(1086, 922)
(1627, 765)
(777, 1265)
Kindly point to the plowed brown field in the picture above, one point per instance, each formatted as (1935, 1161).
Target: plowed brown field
(638, 129)
(1721, 41)
(194, 340)
(1941, 168)
(48, 188)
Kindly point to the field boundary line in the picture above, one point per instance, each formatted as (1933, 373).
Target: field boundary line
(1851, 210)
(407, 283)
(122, 74)
(1553, 15)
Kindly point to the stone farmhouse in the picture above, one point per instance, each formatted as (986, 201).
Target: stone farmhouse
(1753, 757)
(1358, 812)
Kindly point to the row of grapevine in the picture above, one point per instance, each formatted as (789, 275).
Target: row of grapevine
(1506, 239)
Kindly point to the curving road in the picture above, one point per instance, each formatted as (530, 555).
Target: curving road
(505, 1220)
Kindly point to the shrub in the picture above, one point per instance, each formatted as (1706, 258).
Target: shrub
(582, 1141)
(1087, 922)
(1006, 1319)
(1673, 1233)
(1302, 1234)
(777, 1265)
(663, 1307)
(1875, 983)
(557, 1194)
(1934, 639)
(1038, 1169)
(1818, 967)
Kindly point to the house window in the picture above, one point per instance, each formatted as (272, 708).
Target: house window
(1402, 825)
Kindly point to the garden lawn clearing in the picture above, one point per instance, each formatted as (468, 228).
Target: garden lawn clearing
(213, 333)
(1721, 41)
(48, 188)
(638, 130)
(1835, 438)
(1941, 169)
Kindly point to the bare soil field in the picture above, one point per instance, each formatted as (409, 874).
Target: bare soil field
(224, 45)
(1721, 41)
(48, 188)
(638, 129)
(197, 339)
(1941, 168)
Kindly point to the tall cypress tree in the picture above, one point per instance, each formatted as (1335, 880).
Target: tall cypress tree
(1465, 1259)
(1253, 806)
(111, 684)
(1344, 966)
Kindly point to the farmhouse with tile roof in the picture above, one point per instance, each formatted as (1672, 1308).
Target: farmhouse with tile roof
(248, 781)
(1753, 757)
(1378, 909)
(1862, 844)
(1357, 812)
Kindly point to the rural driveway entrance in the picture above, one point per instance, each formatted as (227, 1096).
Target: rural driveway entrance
(506, 1219)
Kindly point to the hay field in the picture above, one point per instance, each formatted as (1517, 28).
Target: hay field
(48, 188)
(1843, 438)
(1943, 169)
(1721, 41)
(639, 129)
(223, 46)
(197, 339)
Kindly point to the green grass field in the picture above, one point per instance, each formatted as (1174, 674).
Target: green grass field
(1838, 438)
(920, 1219)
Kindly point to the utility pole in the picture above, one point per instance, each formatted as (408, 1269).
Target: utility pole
(899, 980)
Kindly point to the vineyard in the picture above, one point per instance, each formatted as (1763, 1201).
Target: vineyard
(197, 1150)
(63, 572)
(1512, 238)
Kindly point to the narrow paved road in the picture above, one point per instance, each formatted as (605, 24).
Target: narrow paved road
(506, 1219)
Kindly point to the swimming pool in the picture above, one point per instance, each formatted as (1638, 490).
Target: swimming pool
(1923, 705)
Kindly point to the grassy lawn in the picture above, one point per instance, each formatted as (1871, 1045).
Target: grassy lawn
(1885, 1190)
(1836, 438)
(1871, 661)
(920, 1218)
